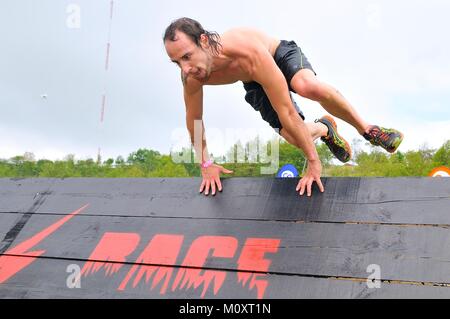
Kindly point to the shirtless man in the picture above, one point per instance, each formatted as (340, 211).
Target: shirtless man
(269, 69)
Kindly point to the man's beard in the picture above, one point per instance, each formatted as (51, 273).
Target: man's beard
(204, 75)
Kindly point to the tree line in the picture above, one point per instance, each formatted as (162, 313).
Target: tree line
(151, 163)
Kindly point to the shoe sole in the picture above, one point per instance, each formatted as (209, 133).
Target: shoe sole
(395, 149)
(334, 125)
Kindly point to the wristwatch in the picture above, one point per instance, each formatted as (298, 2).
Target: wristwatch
(207, 163)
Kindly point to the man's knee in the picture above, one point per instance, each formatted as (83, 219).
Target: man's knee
(308, 86)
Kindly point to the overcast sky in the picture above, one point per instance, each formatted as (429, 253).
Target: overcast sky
(389, 58)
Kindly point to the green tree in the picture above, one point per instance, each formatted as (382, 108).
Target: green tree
(150, 163)
(120, 161)
(442, 155)
(87, 168)
(109, 161)
(290, 154)
(167, 168)
(147, 159)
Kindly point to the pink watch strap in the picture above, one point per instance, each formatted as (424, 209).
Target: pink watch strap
(207, 163)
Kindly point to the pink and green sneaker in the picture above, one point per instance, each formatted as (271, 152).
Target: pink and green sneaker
(389, 139)
(336, 143)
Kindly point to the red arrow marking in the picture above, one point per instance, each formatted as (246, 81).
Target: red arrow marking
(11, 265)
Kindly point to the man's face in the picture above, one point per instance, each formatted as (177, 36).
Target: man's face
(194, 61)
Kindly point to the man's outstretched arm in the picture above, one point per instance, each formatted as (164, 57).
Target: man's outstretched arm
(193, 97)
(266, 72)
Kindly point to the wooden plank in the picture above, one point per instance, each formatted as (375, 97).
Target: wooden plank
(257, 226)
(372, 200)
(24, 194)
(47, 278)
(7, 221)
(418, 253)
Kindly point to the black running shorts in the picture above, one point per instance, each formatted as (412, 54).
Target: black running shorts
(290, 59)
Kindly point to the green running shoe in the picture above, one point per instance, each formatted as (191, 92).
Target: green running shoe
(337, 145)
(389, 139)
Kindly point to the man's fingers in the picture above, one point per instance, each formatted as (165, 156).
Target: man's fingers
(207, 187)
(227, 171)
(298, 186)
(219, 184)
(202, 185)
(213, 186)
(308, 188)
(302, 187)
(319, 183)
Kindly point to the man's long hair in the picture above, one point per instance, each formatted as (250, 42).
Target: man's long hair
(193, 29)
